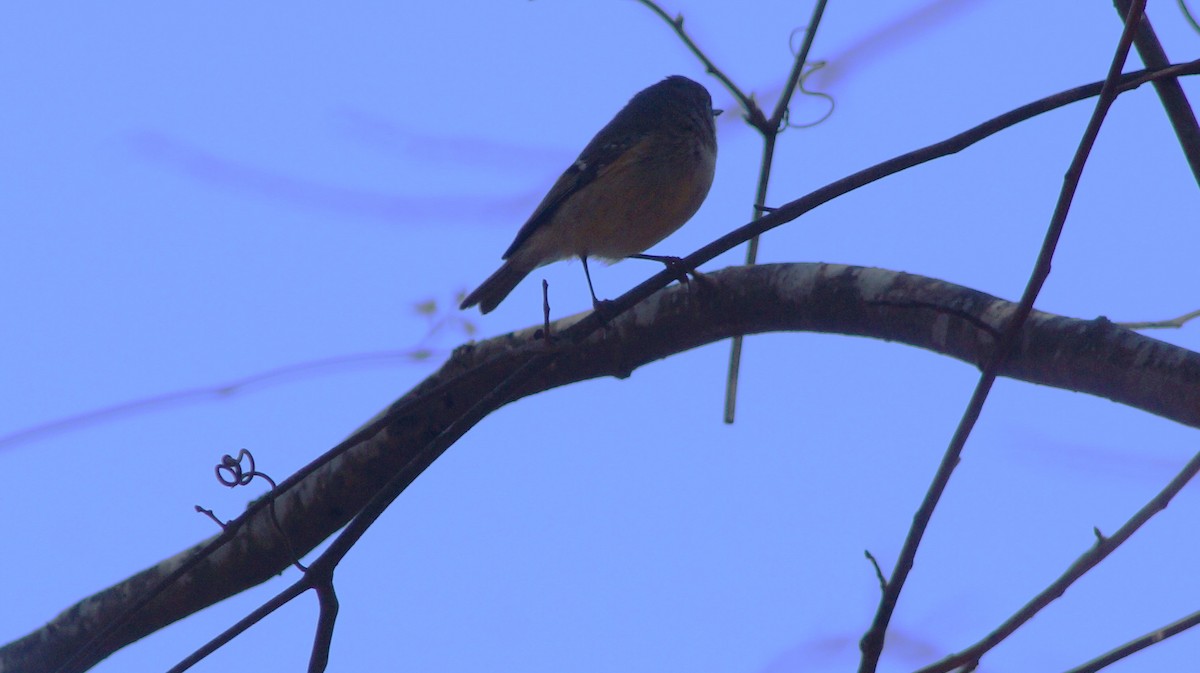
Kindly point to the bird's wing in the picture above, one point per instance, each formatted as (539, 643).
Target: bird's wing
(591, 163)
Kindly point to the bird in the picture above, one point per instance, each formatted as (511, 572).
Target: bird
(637, 181)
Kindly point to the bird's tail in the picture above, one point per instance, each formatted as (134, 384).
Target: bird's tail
(498, 285)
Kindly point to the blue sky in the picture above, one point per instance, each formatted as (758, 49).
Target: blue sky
(198, 192)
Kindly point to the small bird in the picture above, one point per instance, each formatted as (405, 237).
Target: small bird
(642, 177)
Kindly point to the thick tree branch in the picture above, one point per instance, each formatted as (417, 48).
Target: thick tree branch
(1092, 356)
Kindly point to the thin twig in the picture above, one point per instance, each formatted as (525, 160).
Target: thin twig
(1138, 644)
(1161, 324)
(770, 132)
(1088, 560)
(793, 80)
(753, 113)
(1174, 101)
(214, 392)
(873, 639)
(878, 571)
(546, 312)
(323, 639)
(258, 614)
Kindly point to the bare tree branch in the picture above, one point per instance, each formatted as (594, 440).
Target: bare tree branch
(1092, 356)
(1170, 92)
(1138, 644)
(872, 641)
(770, 130)
(1088, 560)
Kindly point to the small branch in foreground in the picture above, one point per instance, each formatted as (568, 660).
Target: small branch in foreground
(1170, 92)
(323, 639)
(276, 602)
(1099, 551)
(1138, 644)
(770, 130)
(878, 571)
(873, 640)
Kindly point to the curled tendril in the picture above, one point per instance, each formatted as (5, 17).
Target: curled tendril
(1187, 14)
(815, 94)
(231, 473)
(792, 39)
(785, 123)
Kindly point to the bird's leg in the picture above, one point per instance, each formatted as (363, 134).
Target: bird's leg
(598, 305)
(601, 306)
(588, 274)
